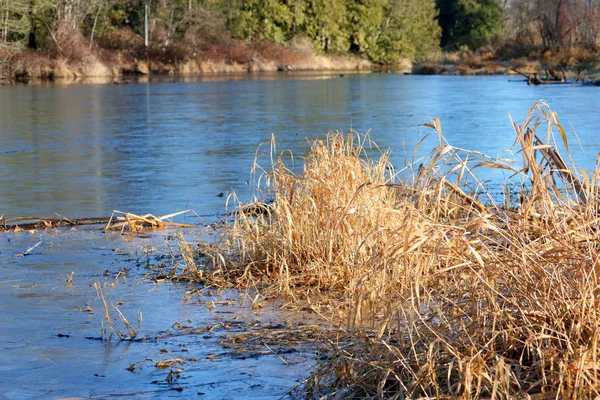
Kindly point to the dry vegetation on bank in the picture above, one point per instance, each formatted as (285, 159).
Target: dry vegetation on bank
(75, 59)
(577, 63)
(447, 291)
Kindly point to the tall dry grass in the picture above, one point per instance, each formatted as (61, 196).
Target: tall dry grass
(451, 292)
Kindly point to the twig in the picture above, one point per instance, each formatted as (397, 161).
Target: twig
(29, 250)
(65, 218)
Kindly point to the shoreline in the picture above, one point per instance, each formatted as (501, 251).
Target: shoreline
(30, 67)
(34, 68)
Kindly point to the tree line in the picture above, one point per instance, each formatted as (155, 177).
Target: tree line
(380, 30)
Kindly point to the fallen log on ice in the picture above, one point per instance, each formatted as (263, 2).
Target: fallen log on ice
(117, 221)
(28, 223)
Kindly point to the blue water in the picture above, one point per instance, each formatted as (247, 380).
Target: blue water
(84, 150)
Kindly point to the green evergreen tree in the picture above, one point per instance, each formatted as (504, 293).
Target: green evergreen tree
(23, 22)
(262, 20)
(386, 30)
(367, 18)
(325, 24)
(381, 30)
(16, 23)
(413, 31)
(471, 23)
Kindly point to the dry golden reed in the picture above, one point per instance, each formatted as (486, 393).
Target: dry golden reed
(451, 292)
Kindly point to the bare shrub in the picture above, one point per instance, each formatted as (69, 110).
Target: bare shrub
(71, 44)
(280, 54)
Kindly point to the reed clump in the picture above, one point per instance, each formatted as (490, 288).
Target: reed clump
(450, 291)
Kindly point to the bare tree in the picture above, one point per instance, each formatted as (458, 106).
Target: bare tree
(554, 23)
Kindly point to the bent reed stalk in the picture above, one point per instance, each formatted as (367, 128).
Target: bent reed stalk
(450, 291)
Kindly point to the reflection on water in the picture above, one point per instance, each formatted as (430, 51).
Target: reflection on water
(83, 150)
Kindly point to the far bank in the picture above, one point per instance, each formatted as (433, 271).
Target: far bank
(27, 66)
(102, 65)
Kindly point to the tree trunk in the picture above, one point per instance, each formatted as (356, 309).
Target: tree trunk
(557, 25)
(32, 42)
(146, 25)
(94, 26)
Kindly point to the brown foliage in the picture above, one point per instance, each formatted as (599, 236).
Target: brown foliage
(280, 54)
(24, 66)
(123, 40)
(240, 52)
(234, 51)
(71, 44)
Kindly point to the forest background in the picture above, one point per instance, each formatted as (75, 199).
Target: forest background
(46, 38)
